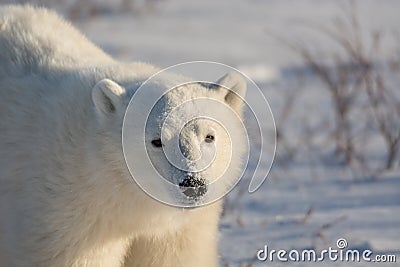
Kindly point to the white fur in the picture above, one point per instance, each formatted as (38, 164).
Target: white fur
(66, 196)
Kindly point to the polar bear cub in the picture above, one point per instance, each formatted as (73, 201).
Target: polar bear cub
(66, 195)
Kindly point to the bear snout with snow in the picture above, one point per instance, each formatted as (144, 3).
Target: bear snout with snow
(67, 197)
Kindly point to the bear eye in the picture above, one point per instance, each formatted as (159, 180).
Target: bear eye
(209, 138)
(156, 143)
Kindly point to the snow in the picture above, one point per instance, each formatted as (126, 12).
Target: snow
(260, 73)
(366, 212)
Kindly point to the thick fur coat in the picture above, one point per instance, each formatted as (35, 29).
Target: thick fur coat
(66, 195)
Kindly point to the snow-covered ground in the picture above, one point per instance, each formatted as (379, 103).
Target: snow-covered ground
(305, 203)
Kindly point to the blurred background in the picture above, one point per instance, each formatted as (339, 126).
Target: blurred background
(331, 73)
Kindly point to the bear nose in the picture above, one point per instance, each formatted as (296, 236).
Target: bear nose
(193, 187)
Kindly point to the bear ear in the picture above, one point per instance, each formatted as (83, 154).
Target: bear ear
(107, 96)
(237, 90)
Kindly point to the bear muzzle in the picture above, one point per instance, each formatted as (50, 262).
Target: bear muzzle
(193, 187)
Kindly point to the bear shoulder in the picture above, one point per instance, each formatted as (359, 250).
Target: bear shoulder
(34, 38)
